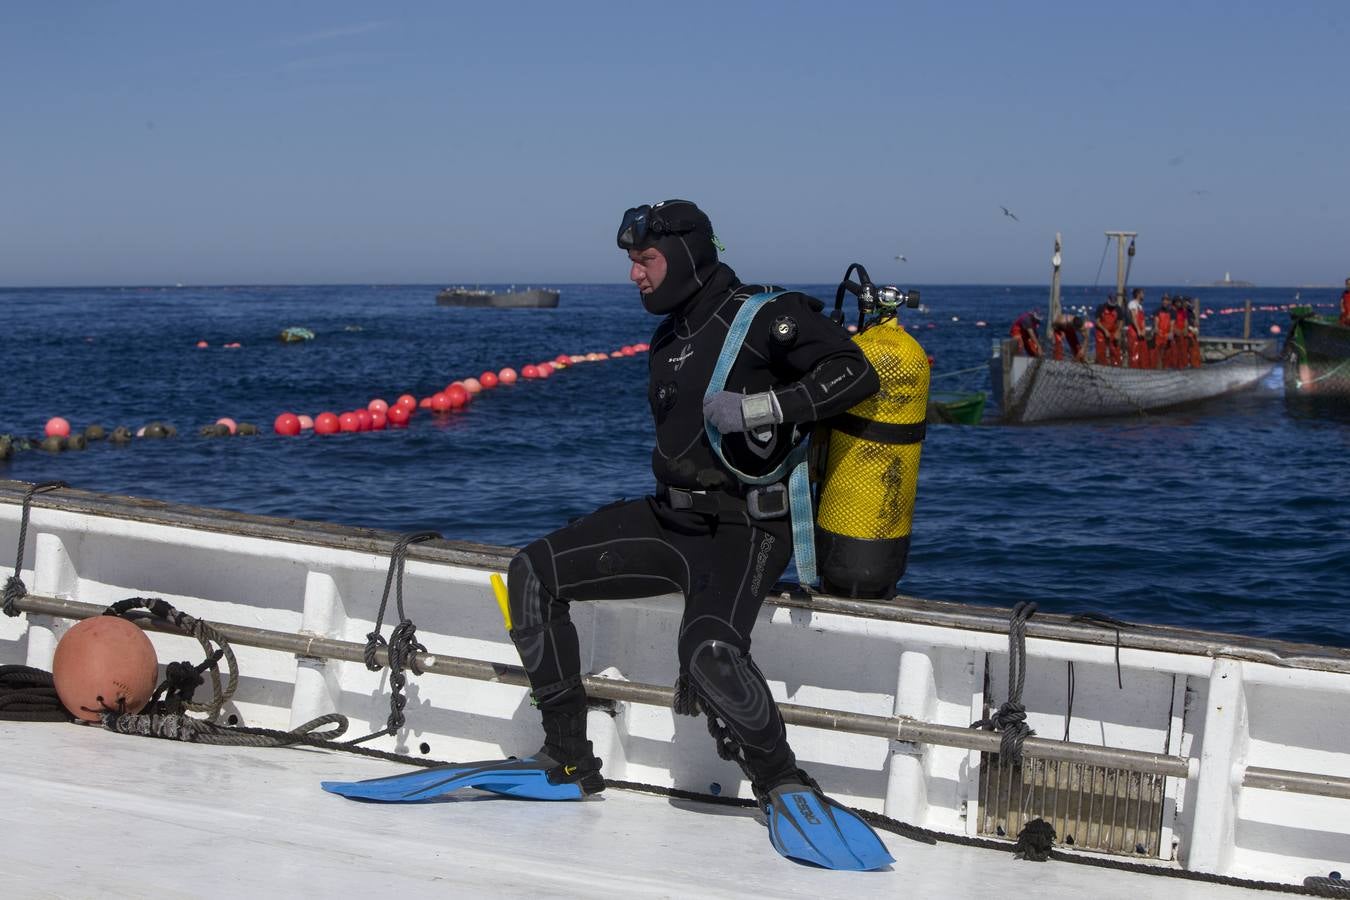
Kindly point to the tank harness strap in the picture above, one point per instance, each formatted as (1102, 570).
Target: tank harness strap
(881, 432)
(799, 485)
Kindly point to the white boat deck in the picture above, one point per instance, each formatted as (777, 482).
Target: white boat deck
(89, 813)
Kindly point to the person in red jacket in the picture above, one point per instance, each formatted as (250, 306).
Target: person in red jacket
(1345, 305)
(1023, 333)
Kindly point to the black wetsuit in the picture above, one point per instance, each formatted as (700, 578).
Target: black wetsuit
(695, 534)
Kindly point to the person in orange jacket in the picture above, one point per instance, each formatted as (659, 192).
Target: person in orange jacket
(1190, 354)
(1107, 334)
(1181, 321)
(1136, 331)
(1162, 334)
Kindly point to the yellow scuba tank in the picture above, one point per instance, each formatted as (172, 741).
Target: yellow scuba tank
(871, 466)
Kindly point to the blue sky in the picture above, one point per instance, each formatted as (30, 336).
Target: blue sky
(151, 143)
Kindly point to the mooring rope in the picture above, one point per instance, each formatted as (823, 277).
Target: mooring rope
(15, 589)
(402, 647)
(1011, 717)
(181, 679)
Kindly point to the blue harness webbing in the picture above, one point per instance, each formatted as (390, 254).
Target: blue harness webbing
(799, 486)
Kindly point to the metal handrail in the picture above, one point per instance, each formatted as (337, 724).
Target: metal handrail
(901, 728)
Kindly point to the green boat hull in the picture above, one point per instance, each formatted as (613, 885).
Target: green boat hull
(1316, 356)
(957, 409)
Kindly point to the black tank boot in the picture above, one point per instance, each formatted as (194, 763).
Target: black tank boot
(566, 744)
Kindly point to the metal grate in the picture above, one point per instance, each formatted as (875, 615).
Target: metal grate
(1090, 807)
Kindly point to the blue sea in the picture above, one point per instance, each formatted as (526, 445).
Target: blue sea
(1229, 517)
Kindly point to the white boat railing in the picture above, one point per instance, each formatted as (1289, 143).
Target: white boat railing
(1247, 735)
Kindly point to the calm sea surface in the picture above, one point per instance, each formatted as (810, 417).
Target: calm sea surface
(1229, 517)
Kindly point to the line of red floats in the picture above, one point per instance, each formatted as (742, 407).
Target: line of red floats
(380, 414)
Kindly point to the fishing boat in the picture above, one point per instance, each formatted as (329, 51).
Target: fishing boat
(1040, 389)
(1316, 356)
(1172, 762)
(533, 298)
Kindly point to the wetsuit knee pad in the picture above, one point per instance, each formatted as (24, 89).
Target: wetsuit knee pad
(730, 684)
(531, 600)
(542, 631)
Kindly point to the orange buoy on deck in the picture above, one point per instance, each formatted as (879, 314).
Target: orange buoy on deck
(104, 664)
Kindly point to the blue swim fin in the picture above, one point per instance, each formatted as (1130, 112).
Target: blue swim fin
(533, 778)
(809, 827)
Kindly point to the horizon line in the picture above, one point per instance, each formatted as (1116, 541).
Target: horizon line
(439, 285)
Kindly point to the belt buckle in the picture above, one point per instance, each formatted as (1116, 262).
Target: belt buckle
(767, 502)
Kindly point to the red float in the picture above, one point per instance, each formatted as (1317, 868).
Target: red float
(287, 424)
(399, 415)
(377, 405)
(488, 379)
(326, 423)
(507, 375)
(456, 395)
(57, 427)
(348, 421)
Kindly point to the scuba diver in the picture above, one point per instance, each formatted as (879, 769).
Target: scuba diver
(704, 533)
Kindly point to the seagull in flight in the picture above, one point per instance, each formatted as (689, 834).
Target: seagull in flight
(901, 258)
(1007, 212)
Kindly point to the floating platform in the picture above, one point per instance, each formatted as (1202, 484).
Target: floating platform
(537, 298)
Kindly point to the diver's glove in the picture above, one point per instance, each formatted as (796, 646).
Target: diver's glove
(729, 411)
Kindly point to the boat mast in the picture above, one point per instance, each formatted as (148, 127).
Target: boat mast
(1120, 237)
(1054, 292)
